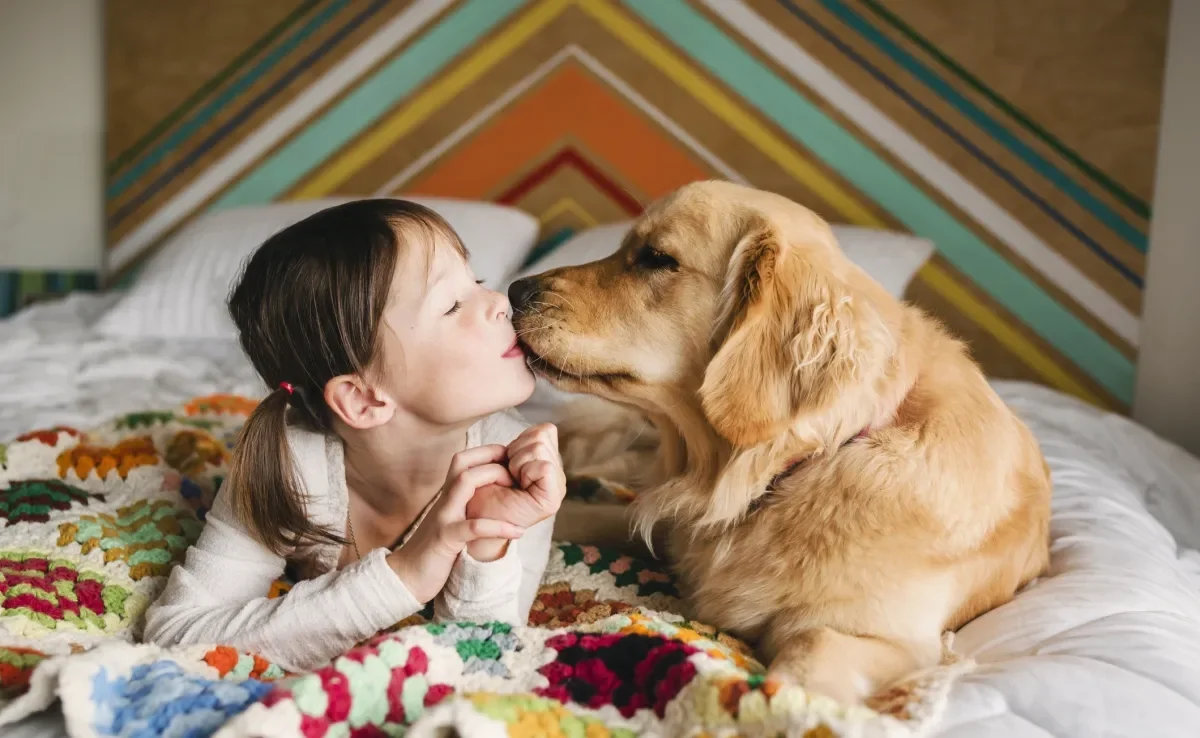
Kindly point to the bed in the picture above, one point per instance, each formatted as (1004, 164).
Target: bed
(1107, 643)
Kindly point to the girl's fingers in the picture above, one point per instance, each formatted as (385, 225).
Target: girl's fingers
(549, 432)
(472, 457)
(545, 433)
(463, 487)
(536, 452)
(539, 471)
(465, 531)
(532, 473)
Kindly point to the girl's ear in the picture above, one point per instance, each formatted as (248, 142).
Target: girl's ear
(356, 403)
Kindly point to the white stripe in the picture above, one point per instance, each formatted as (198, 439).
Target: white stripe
(531, 79)
(360, 61)
(941, 175)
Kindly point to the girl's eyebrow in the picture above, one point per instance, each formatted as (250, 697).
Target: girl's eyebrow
(434, 281)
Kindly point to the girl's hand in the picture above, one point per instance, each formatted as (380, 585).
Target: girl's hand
(424, 562)
(535, 465)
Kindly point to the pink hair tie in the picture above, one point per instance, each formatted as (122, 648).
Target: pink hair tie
(287, 387)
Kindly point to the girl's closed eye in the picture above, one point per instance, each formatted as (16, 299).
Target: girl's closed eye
(458, 303)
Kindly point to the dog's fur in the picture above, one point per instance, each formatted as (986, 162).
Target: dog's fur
(732, 320)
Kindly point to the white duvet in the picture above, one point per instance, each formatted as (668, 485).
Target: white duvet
(1107, 644)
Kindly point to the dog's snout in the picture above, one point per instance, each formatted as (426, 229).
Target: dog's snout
(522, 292)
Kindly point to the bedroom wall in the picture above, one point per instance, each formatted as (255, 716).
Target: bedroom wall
(1168, 385)
(1018, 135)
(51, 147)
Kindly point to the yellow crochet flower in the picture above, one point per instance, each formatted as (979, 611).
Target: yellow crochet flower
(528, 716)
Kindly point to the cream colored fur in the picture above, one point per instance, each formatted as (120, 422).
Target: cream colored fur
(763, 345)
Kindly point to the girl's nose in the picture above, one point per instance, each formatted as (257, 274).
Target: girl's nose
(500, 306)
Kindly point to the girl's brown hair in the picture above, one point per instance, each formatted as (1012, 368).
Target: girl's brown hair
(307, 309)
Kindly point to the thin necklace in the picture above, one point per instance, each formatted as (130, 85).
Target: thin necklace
(353, 541)
(408, 532)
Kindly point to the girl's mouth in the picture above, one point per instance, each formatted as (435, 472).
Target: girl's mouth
(514, 351)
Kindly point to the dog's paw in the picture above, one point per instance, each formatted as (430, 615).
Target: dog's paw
(845, 689)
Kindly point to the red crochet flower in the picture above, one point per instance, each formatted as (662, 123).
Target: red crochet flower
(631, 672)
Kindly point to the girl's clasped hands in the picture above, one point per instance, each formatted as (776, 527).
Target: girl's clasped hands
(492, 495)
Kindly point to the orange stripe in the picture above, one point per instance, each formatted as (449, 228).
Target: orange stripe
(571, 103)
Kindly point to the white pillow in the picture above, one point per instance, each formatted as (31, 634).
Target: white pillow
(589, 245)
(182, 290)
(891, 258)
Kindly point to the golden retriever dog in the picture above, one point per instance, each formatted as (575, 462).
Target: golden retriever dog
(836, 481)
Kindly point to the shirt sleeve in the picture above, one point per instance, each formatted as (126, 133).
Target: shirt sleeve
(503, 589)
(218, 596)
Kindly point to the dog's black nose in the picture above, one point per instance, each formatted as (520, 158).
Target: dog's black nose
(521, 293)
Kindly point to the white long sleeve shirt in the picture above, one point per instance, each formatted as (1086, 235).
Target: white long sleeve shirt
(219, 594)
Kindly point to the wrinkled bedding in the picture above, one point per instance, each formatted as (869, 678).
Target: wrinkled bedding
(53, 371)
(1108, 643)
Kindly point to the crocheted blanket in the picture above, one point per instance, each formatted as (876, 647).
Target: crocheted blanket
(91, 523)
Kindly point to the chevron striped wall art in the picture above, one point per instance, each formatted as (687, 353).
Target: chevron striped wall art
(1018, 136)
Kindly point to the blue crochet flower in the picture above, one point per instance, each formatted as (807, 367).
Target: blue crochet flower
(160, 698)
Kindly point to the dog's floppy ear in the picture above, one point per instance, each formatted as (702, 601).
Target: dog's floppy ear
(792, 337)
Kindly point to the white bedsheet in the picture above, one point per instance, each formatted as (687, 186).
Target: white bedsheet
(55, 371)
(1108, 644)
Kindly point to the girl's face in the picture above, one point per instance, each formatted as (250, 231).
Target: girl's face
(450, 354)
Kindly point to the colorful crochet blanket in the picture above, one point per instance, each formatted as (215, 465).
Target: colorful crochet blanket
(91, 523)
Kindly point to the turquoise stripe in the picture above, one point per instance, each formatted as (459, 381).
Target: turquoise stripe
(228, 95)
(8, 293)
(871, 175)
(546, 247)
(1060, 179)
(370, 100)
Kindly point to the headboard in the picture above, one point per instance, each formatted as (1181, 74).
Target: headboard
(1017, 135)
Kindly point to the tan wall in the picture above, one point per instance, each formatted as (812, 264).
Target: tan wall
(51, 135)
(1168, 382)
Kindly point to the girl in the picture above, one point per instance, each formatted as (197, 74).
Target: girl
(384, 463)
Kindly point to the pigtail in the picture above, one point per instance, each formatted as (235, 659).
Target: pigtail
(267, 497)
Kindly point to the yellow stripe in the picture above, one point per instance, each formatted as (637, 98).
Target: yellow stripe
(943, 284)
(429, 102)
(792, 162)
(567, 205)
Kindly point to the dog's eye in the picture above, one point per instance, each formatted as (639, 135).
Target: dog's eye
(649, 257)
